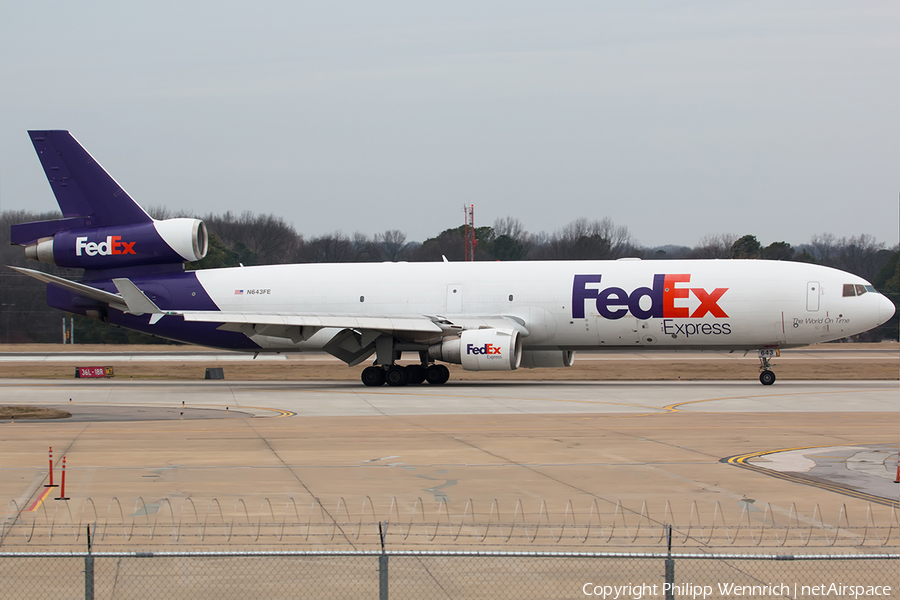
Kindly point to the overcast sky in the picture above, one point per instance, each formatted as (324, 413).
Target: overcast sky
(675, 119)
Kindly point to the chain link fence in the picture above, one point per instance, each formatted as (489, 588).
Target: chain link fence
(437, 574)
(596, 526)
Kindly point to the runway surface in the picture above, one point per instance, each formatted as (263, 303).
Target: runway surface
(641, 444)
(827, 352)
(342, 399)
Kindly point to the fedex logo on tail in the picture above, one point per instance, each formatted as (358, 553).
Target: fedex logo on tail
(667, 289)
(112, 245)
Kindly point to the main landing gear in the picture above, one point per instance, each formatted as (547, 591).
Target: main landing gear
(766, 376)
(396, 375)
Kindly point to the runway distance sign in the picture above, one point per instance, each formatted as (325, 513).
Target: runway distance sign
(93, 372)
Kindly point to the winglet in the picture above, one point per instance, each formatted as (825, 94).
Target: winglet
(136, 301)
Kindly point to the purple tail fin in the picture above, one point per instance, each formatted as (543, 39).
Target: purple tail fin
(81, 186)
(86, 194)
(103, 231)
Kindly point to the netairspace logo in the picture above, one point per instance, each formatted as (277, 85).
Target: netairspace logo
(731, 590)
(112, 245)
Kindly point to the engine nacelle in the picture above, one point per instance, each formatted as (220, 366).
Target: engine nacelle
(481, 350)
(158, 242)
(547, 359)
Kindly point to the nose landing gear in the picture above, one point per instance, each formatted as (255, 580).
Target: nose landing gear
(766, 376)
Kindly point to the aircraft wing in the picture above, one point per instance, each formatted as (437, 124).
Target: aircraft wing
(356, 339)
(411, 324)
(353, 343)
(424, 323)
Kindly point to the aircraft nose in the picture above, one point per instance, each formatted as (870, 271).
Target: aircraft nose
(885, 310)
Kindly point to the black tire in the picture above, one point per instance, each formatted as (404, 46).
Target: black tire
(416, 374)
(437, 374)
(373, 376)
(767, 378)
(396, 376)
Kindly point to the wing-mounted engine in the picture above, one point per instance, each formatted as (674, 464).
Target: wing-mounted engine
(481, 350)
(547, 359)
(154, 242)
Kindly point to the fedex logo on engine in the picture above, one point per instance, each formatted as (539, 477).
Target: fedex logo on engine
(112, 245)
(615, 302)
(488, 349)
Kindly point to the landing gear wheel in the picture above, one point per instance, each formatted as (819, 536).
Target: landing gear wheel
(437, 374)
(373, 376)
(767, 378)
(416, 374)
(396, 376)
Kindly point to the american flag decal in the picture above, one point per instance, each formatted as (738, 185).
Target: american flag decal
(238, 292)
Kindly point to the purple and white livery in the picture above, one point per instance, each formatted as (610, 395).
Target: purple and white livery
(483, 315)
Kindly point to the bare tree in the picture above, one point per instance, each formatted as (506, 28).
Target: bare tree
(862, 255)
(824, 248)
(583, 239)
(269, 237)
(363, 249)
(160, 213)
(534, 244)
(715, 246)
(510, 227)
(335, 247)
(391, 245)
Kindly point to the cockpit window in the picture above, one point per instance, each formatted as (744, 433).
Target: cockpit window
(855, 289)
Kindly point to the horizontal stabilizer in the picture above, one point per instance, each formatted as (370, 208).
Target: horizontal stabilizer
(114, 300)
(24, 234)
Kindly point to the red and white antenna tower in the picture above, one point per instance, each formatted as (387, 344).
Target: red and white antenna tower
(471, 242)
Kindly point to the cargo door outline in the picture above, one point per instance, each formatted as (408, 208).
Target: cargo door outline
(813, 292)
(454, 298)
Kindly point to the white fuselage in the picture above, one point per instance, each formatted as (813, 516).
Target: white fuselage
(572, 305)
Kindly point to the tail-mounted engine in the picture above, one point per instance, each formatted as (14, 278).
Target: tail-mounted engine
(102, 226)
(155, 242)
(481, 350)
